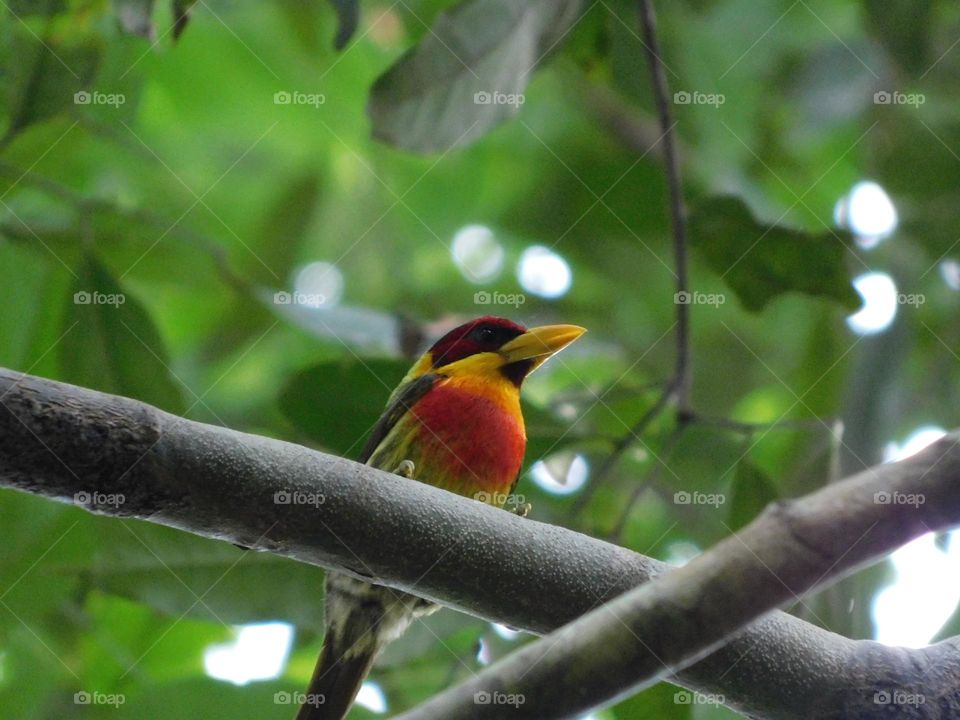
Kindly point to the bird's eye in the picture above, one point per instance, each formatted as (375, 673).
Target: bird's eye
(485, 334)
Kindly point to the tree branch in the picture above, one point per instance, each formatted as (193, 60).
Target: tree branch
(661, 627)
(678, 214)
(59, 440)
(678, 389)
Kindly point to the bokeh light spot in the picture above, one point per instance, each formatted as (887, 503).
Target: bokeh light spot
(868, 212)
(318, 284)
(477, 253)
(543, 272)
(259, 652)
(879, 304)
(561, 474)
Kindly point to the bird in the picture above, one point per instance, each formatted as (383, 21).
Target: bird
(454, 421)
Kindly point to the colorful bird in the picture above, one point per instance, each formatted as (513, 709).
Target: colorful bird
(454, 422)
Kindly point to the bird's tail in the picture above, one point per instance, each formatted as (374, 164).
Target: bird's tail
(361, 620)
(344, 663)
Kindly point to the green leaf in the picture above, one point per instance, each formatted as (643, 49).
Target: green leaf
(752, 491)
(761, 262)
(903, 27)
(43, 70)
(468, 74)
(337, 403)
(169, 570)
(282, 231)
(111, 344)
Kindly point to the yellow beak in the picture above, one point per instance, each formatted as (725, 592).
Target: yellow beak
(539, 343)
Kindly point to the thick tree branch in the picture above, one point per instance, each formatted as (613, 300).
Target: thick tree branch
(59, 440)
(665, 625)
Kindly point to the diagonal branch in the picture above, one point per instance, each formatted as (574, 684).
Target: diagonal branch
(59, 440)
(665, 625)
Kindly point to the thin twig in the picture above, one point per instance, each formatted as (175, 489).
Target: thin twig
(678, 389)
(620, 447)
(678, 216)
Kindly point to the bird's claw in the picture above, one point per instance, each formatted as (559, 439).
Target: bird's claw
(405, 469)
(521, 509)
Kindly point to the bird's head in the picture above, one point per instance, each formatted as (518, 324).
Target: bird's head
(494, 347)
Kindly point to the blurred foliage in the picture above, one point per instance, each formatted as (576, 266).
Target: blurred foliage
(191, 157)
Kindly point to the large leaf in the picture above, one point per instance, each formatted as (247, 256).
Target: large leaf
(111, 344)
(180, 574)
(752, 491)
(903, 26)
(337, 403)
(468, 74)
(761, 262)
(43, 70)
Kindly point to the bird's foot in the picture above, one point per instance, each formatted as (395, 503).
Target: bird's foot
(405, 469)
(521, 509)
